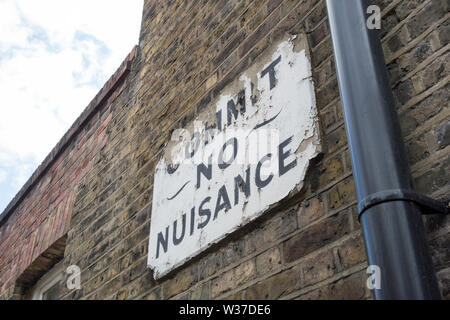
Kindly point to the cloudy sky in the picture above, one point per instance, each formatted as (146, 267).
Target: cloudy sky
(54, 57)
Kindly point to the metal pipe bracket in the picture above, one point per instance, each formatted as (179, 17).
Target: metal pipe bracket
(428, 205)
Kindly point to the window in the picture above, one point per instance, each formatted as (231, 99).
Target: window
(48, 287)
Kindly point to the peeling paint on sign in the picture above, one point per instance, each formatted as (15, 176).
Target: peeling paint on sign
(245, 152)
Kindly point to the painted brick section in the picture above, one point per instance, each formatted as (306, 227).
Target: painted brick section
(308, 247)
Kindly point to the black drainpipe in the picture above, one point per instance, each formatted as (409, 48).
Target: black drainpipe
(390, 210)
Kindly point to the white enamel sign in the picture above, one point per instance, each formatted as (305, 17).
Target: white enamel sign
(246, 151)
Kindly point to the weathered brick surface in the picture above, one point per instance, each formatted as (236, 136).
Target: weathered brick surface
(308, 248)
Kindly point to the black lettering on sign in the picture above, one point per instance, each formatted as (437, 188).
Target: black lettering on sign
(241, 100)
(164, 241)
(283, 155)
(253, 97)
(262, 183)
(231, 112)
(225, 164)
(219, 120)
(204, 213)
(223, 201)
(192, 220)
(177, 241)
(205, 170)
(271, 71)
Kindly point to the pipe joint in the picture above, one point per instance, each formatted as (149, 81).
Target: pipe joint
(427, 204)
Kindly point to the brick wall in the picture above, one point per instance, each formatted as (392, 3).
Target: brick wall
(308, 247)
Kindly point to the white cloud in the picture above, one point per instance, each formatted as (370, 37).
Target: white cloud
(54, 57)
(3, 175)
